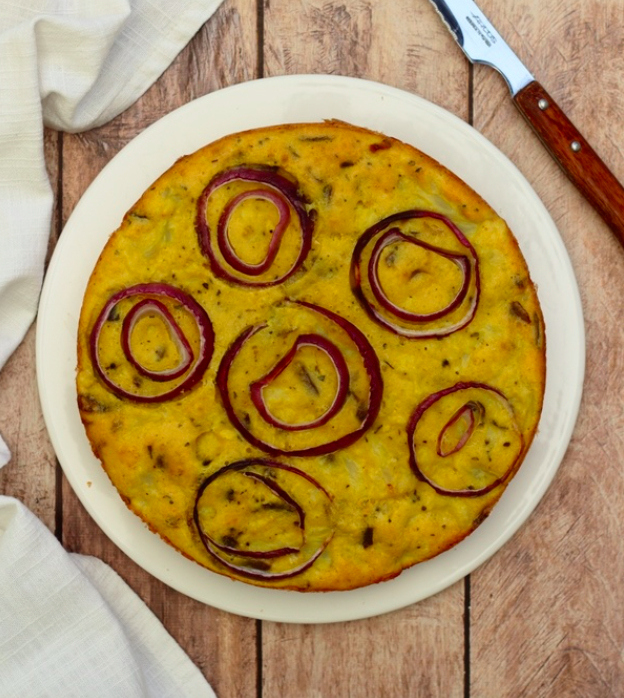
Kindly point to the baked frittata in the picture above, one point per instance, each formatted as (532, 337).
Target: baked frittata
(311, 357)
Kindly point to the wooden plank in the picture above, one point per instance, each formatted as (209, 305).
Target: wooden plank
(402, 44)
(545, 611)
(542, 609)
(418, 650)
(222, 645)
(30, 475)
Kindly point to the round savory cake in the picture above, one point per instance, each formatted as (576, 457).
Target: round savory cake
(310, 357)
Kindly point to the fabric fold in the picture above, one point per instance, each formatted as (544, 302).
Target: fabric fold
(70, 626)
(72, 65)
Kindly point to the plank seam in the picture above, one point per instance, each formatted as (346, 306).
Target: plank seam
(258, 659)
(260, 40)
(471, 94)
(58, 225)
(467, 636)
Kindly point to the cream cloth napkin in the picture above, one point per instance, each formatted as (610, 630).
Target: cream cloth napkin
(73, 65)
(71, 628)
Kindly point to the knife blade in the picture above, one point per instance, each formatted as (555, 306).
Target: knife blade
(482, 43)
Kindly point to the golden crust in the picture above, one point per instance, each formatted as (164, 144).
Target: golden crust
(367, 512)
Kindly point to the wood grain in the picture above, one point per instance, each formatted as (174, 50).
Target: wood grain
(402, 44)
(541, 623)
(543, 616)
(31, 473)
(417, 651)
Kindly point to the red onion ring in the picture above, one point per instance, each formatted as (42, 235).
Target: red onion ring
(388, 238)
(204, 326)
(468, 263)
(466, 412)
(223, 238)
(265, 554)
(218, 550)
(145, 307)
(413, 423)
(342, 373)
(371, 366)
(282, 192)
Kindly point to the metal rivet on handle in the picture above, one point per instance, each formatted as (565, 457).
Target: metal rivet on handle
(543, 104)
(576, 146)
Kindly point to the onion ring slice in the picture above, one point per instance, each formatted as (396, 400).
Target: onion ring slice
(223, 238)
(220, 551)
(265, 554)
(466, 413)
(342, 373)
(280, 189)
(381, 309)
(152, 306)
(371, 366)
(195, 371)
(394, 235)
(420, 411)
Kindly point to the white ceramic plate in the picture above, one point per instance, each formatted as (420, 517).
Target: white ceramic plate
(298, 99)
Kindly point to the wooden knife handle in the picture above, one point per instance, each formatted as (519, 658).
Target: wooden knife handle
(574, 154)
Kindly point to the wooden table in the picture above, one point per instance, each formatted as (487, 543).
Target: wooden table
(544, 616)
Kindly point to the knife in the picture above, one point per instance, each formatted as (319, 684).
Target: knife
(481, 43)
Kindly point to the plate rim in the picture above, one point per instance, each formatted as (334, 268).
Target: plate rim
(271, 604)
